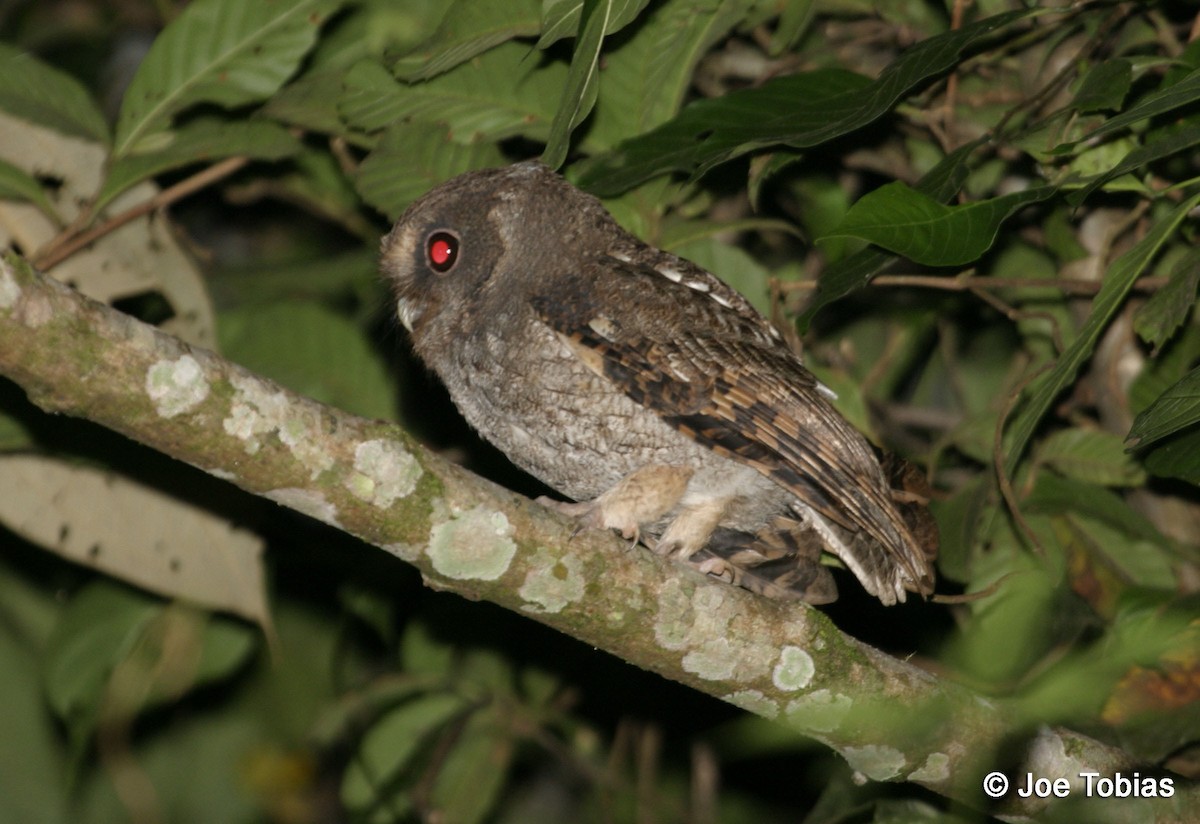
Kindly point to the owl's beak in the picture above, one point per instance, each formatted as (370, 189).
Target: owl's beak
(408, 313)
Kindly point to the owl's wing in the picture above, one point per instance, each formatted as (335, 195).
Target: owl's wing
(679, 341)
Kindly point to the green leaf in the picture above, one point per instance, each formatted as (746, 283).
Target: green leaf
(41, 94)
(470, 27)
(17, 184)
(296, 354)
(98, 628)
(311, 102)
(1117, 282)
(793, 23)
(315, 180)
(799, 111)
(217, 51)
(903, 220)
(1175, 409)
(1158, 318)
(1091, 456)
(1177, 457)
(647, 75)
(560, 18)
(476, 769)
(503, 92)
(579, 94)
(1161, 143)
(203, 141)
(1166, 368)
(1054, 495)
(941, 183)
(1176, 96)
(1104, 87)
(1007, 631)
(411, 159)
(34, 783)
(391, 743)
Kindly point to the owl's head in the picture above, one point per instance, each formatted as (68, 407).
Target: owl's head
(483, 241)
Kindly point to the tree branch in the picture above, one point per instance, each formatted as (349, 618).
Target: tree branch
(788, 662)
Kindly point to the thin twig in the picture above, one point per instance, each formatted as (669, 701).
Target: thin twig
(979, 594)
(1006, 490)
(67, 245)
(1017, 315)
(949, 143)
(977, 283)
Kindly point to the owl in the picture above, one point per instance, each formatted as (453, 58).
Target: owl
(645, 390)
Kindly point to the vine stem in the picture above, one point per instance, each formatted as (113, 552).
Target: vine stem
(68, 244)
(974, 283)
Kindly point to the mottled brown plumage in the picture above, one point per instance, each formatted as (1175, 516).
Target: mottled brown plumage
(645, 389)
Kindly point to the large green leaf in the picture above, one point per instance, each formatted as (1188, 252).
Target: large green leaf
(1185, 92)
(503, 92)
(560, 18)
(1157, 319)
(34, 91)
(311, 102)
(392, 743)
(1054, 495)
(17, 184)
(1159, 144)
(1176, 409)
(105, 625)
(411, 159)
(217, 51)
(800, 110)
(474, 771)
(1091, 456)
(1117, 282)
(910, 223)
(1104, 87)
(470, 27)
(579, 94)
(203, 141)
(648, 74)
(1177, 457)
(941, 183)
(296, 354)
(794, 21)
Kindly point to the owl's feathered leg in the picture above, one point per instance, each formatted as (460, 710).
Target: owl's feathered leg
(691, 527)
(781, 561)
(641, 497)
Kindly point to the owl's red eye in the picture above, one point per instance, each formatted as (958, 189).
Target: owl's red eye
(441, 250)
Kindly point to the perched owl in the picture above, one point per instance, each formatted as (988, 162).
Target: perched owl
(644, 389)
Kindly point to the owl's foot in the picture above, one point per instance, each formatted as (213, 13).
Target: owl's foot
(691, 528)
(781, 561)
(641, 497)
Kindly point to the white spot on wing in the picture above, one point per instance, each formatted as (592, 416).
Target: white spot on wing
(823, 389)
(673, 275)
(698, 285)
(603, 327)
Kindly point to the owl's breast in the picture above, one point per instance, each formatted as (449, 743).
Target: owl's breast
(575, 430)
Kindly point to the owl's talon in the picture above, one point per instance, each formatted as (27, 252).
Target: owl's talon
(717, 568)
